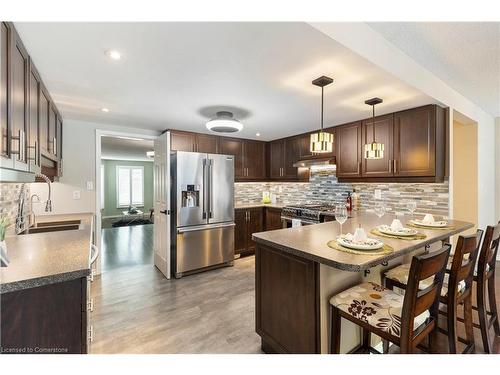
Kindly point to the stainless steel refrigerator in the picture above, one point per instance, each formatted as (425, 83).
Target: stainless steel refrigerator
(202, 202)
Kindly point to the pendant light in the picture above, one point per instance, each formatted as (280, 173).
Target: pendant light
(321, 142)
(374, 150)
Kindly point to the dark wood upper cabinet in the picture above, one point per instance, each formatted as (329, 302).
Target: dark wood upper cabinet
(43, 122)
(384, 130)
(276, 159)
(19, 107)
(419, 142)
(207, 143)
(348, 144)
(254, 160)
(234, 146)
(182, 141)
(4, 89)
(291, 148)
(34, 115)
(52, 129)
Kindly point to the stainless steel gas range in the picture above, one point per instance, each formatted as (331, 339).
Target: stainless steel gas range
(307, 214)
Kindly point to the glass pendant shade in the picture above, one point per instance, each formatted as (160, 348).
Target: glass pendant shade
(374, 150)
(321, 142)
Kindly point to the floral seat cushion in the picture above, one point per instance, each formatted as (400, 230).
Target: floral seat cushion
(401, 273)
(375, 305)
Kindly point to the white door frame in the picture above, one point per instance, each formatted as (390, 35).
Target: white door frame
(99, 133)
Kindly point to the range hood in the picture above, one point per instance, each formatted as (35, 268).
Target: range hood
(320, 162)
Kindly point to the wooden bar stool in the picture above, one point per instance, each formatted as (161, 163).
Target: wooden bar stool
(459, 281)
(485, 279)
(404, 321)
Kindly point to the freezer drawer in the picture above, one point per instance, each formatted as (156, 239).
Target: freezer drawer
(204, 246)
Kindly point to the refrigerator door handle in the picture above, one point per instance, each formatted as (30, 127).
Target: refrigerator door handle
(204, 227)
(205, 189)
(211, 187)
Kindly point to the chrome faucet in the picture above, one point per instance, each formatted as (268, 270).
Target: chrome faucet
(20, 210)
(48, 204)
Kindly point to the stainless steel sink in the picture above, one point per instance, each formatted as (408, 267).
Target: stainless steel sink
(45, 229)
(58, 223)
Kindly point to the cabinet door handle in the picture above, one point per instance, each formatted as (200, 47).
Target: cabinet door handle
(390, 166)
(395, 166)
(359, 166)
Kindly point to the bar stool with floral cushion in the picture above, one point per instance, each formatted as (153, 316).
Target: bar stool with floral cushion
(403, 320)
(459, 279)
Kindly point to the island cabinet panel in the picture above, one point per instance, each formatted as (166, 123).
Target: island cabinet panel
(234, 146)
(415, 142)
(384, 129)
(182, 141)
(348, 149)
(207, 143)
(46, 319)
(248, 221)
(287, 307)
(273, 218)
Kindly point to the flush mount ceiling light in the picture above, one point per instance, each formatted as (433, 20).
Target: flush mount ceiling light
(224, 123)
(374, 150)
(321, 142)
(113, 54)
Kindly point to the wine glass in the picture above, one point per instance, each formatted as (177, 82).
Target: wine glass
(379, 210)
(411, 206)
(341, 215)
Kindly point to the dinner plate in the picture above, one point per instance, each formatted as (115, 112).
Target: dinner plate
(369, 244)
(386, 229)
(436, 224)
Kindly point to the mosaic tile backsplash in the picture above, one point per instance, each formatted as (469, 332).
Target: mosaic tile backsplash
(324, 187)
(9, 199)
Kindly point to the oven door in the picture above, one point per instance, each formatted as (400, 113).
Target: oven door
(287, 222)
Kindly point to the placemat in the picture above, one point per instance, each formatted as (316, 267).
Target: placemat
(418, 236)
(386, 249)
(430, 228)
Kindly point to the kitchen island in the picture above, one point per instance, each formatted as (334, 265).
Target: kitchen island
(296, 274)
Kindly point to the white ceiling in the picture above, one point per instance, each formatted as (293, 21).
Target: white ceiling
(177, 75)
(465, 55)
(125, 149)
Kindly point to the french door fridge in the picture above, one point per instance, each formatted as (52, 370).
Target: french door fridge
(202, 204)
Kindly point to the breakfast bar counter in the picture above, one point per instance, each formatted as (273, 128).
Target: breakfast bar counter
(297, 273)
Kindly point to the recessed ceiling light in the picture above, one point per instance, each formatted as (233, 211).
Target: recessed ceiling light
(113, 54)
(105, 110)
(257, 134)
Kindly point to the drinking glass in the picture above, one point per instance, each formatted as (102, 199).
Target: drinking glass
(411, 206)
(341, 215)
(379, 210)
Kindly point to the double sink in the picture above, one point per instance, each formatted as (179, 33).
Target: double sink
(53, 226)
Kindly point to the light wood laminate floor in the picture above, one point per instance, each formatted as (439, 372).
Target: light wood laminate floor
(137, 310)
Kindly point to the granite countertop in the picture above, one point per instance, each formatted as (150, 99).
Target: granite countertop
(311, 241)
(239, 206)
(45, 258)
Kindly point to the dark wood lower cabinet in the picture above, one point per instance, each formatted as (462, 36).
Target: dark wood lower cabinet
(46, 319)
(287, 302)
(273, 218)
(248, 221)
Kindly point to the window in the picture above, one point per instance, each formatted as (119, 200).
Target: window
(103, 187)
(129, 186)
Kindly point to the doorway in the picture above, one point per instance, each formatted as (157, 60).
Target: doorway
(124, 200)
(465, 181)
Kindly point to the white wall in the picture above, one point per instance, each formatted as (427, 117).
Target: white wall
(78, 168)
(497, 166)
(369, 44)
